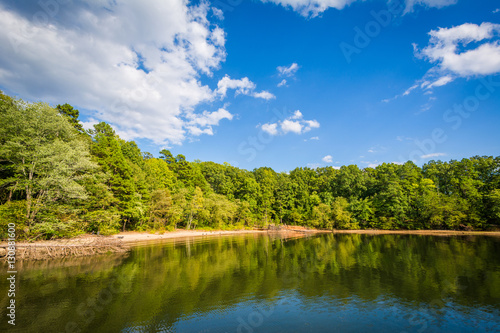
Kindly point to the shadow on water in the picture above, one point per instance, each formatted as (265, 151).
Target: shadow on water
(250, 283)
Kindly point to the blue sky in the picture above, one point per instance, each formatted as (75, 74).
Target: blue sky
(281, 83)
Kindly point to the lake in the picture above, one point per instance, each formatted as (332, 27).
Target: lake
(268, 283)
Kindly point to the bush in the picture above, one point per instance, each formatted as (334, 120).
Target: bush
(13, 212)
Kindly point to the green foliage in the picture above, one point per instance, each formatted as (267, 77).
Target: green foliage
(341, 217)
(43, 159)
(72, 116)
(57, 182)
(14, 212)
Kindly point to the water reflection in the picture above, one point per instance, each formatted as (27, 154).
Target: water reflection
(253, 283)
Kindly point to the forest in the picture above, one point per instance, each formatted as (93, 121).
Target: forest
(59, 180)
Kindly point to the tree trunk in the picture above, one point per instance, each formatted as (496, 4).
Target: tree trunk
(29, 194)
(189, 221)
(124, 224)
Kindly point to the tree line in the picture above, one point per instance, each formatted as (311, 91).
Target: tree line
(59, 180)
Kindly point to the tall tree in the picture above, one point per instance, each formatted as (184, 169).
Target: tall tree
(45, 158)
(72, 115)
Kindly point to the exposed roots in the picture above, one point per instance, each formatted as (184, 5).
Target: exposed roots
(78, 247)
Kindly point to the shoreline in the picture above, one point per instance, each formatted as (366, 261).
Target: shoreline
(420, 232)
(122, 241)
(133, 237)
(130, 237)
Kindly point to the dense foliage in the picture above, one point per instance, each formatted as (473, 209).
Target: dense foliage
(58, 180)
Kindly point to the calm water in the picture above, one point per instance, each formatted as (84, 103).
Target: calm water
(261, 283)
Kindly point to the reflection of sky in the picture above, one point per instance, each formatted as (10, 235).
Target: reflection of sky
(291, 312)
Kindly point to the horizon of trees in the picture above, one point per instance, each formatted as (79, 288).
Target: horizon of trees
(59, 180)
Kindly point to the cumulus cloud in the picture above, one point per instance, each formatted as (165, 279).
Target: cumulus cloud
(444, 49)
(448, 49)
(242, 86)
(264, 95)
(203, 123)
(135, 65)
(294, 124)
(328, 159)
(288, 71)
(467, 50)
(291, 126)
(270, 128)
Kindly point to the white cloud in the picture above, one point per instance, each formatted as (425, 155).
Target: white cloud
(218, 13)
(496, 11)
(437, 83)
(410, 4)
(313, 8)
(270, 128)
(296, 115)
(291, 126)
(288, 71)
(211, 118)
(448, 49)
(433, 155)
(409, 90)
(315, 138)
(282, 83)
(328, 159)
(89, 124)
(196, 131)
(294, 124)
(136, 65)
(242, 86)
(373, 164)
(264, 95)
(202, 123)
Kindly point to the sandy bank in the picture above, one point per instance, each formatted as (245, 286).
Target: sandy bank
(134, 236)
(421, 232)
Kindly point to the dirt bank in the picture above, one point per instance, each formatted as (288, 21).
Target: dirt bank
(85, 245)
(421, 232)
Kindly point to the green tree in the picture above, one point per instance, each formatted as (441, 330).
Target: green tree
(72, 115)
(45, 159)
(341, 218)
